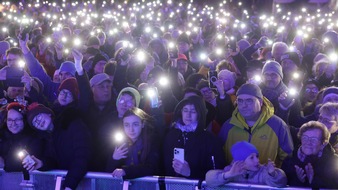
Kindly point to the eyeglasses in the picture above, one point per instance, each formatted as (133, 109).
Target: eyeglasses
(16, 121)
(312, 140)
(127, 102)
(248, 101)
(314, 90)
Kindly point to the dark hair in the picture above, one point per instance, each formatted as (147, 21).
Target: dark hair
(193, 90)
(110, 67)
(15, 51)
(147, 131)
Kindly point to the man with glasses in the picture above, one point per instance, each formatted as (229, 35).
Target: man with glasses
(254, 121)
(276, 92)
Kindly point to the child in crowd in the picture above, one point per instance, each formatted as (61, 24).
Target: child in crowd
(245, 168)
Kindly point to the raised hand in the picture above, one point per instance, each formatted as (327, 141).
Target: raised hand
(237, 168)
(309, 172)
(120, 152)
(300, 173)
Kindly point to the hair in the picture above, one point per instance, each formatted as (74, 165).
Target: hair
(17, 107)
(15, 51)
(200, 108)
(225, 65)
(193, 90)
(279, 45)
(330, 108)
(147, 131)
(110, 67)
(312, 125)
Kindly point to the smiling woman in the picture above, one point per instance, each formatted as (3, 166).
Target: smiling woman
(315, 163)
(17, 136)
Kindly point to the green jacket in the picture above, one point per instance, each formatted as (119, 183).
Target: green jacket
(269, 134)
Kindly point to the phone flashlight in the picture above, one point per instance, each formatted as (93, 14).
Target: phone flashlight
(333, 57)
(77, 42)
(219, 51)
(171, 45)
(258, 78)
(141, 56)
(64, 39)
(163, 81)
(153, 95)
(25, 157)
(295, 75)
(66, 51)
(21, 63)
(118, 137)
(49, 40)
(203, 56)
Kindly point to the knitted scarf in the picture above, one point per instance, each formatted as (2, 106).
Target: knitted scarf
(273, 94)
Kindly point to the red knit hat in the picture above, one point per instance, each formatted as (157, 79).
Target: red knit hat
(182, 57)
(34, 109)
(71, 85)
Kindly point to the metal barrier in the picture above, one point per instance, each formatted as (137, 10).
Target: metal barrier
(102, 181)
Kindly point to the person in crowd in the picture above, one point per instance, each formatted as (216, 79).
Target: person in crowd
(16, 136)
(278, 49)
(137, 153)
(245, 168)
(309, 95)
(274, 89)
(328, 115)
(314, 163)
(202, 151)
(68, 143)
(66, 70)
(254, 121)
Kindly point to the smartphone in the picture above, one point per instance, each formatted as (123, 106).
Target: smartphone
(152, 93)
(24, 32)
(26, 157)
(179, 154)
(13, 76)
(173, 53)
(233, 44)
(212, 76)
(287, 101)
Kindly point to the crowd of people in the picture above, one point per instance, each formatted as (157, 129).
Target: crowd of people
(222, 93)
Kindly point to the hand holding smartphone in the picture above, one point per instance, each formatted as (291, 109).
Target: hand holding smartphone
(179, 154)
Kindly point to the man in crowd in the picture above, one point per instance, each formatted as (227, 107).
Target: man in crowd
(254, 121)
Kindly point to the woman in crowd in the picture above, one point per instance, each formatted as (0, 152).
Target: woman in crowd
(137, 154)
(315, 163)
(202, 151)
(67, 142)
(17, 136)
(245, 168)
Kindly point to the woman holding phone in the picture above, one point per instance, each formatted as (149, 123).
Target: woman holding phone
(16, 136)
(202, 151)
(136, 153)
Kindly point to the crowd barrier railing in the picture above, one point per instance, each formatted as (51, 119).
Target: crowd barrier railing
(104, 181)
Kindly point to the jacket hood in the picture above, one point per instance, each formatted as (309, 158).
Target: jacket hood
(200, 107)
(267, 111)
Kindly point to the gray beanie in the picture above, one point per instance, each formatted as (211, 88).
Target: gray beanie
(273, 66)
(250, 89)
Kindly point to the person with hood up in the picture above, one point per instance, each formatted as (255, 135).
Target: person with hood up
(202, 151)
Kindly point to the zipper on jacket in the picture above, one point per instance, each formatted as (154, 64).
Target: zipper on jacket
(250, 133)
